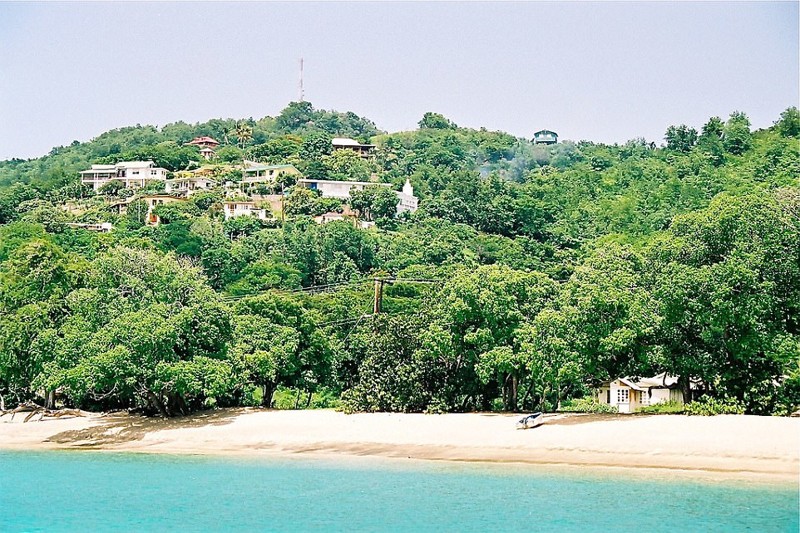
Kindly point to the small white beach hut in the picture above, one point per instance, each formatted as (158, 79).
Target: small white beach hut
(629, 394)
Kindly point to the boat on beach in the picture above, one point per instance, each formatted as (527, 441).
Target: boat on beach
(531, 421)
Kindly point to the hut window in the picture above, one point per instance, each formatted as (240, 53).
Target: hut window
(622, 396)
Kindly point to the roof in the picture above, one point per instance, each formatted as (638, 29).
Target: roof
(350, 182)
(204, 139)
(545, 132)
(659, 381)
(345, 141)
(260, 166)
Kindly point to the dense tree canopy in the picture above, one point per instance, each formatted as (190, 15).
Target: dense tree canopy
(529, 274)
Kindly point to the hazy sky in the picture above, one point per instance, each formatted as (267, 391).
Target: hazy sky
(605, 72)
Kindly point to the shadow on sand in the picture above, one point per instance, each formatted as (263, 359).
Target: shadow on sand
(116, 429)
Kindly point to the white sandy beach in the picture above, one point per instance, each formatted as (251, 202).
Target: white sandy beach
(729, 445)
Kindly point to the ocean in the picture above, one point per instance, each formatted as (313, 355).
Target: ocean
(98, 491)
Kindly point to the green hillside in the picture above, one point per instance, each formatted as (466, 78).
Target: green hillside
(533, 272)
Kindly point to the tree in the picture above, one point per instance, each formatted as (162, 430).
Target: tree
(681, 138)
(436, 121)
(789, 123)
(244, 133)
(373, 202)
(136, 213)
(736, 137)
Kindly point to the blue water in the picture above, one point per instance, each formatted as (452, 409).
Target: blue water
(89, 491)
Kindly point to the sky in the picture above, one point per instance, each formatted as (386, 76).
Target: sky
(605, 71)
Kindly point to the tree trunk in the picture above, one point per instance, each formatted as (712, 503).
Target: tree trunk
(155, 402)
(269, 390)
(512, 394)
(683, 382)
(50, 399)
(297, 399)
(308, 400)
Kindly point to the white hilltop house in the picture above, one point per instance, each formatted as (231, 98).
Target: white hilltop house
(187, 183)
(238, 208)
(344, 143)
(342, 190)
(133, 174)
(254, 174)
(628, 394)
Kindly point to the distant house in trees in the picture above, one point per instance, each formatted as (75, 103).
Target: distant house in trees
(408, 202)
(132, 174)
(236, 208)
(187, 182)
(337, 189)
(628, 394)
(343, 143)
(342, 190)
(545, 137)
(207, 146)
(152, 201)
(254, 174)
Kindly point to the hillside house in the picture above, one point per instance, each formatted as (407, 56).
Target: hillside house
(337, 189)
(207, 146)
(408, 202)
(545, 137)
(343, 143)
(256, 174)
(204, 142)
(102, 227)
(133, 174)
(186, 183)
(342, 190)
(239, 208)
(628, 394)
(152, 200)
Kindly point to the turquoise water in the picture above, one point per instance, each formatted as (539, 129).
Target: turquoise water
(88, 491)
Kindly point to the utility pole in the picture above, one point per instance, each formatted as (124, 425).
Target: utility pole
(377, 301)
(302, 92)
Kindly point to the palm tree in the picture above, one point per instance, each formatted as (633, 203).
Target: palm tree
(244, 133)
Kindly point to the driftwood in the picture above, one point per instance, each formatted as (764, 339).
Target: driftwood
(34, 409)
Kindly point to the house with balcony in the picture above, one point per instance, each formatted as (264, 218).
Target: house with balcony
(545, 137)
(239, 208)
(132, 174)
(207, 146)
(187, 182)
(255, 175)
(344, 143)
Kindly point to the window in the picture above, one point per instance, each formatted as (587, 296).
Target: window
(623, 395)
(645, 397)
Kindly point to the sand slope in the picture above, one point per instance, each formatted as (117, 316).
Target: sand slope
(732, 444)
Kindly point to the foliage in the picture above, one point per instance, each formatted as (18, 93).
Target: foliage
(710, 406)
(587, 405)
(664, 408)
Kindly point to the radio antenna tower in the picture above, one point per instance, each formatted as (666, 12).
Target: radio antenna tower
(302, 92)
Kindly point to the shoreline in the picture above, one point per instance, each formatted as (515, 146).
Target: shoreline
(727, 447)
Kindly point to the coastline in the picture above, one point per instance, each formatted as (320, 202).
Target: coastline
(729, 447)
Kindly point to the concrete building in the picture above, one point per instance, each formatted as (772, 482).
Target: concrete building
(133, 174)
(238, 208)
(342, 189)
(186, 183)
(256, 174)
(408, 202)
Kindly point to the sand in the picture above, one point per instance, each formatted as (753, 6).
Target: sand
(737, 446)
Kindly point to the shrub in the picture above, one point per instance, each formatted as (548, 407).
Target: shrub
(586, 405)
(666, 408)
(708, 406)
